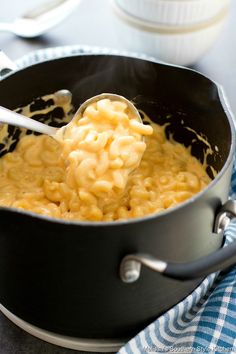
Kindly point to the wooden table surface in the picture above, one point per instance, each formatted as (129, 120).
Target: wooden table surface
(94, 23)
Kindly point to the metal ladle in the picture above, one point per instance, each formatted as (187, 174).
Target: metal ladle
(10, 117)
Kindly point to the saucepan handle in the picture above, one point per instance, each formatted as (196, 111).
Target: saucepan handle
(130, 267)
(6, 64)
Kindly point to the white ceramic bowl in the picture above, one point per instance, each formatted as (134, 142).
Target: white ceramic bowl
(181, 45)
(173, 12)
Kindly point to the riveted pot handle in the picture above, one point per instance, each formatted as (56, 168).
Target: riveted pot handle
(130, 266)
(6, 64)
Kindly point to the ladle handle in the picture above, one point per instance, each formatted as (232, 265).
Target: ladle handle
(10, 117)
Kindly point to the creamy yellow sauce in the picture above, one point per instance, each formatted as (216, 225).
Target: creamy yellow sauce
(107, 167)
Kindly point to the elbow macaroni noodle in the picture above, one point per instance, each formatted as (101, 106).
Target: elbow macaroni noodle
(103, 169)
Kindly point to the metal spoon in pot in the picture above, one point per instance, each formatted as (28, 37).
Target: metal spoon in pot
(9, 117)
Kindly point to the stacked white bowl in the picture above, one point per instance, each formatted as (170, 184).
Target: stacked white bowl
(175, 31)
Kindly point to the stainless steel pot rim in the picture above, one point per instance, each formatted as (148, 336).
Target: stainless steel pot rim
(113, 52)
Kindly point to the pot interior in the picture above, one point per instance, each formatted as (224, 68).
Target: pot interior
(185, 101)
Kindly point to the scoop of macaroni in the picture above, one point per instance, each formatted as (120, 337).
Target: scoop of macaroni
(107, 167)
(102, 148)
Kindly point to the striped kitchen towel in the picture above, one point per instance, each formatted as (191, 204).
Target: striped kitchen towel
(205, 321)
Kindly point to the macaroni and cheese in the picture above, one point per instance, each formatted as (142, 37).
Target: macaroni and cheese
(108, 166)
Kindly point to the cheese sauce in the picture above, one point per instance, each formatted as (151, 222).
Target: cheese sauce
(102, 170)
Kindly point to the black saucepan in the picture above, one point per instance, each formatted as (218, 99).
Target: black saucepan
(83, 279)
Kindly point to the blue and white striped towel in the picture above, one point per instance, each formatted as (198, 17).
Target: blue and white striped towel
(205, 321)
